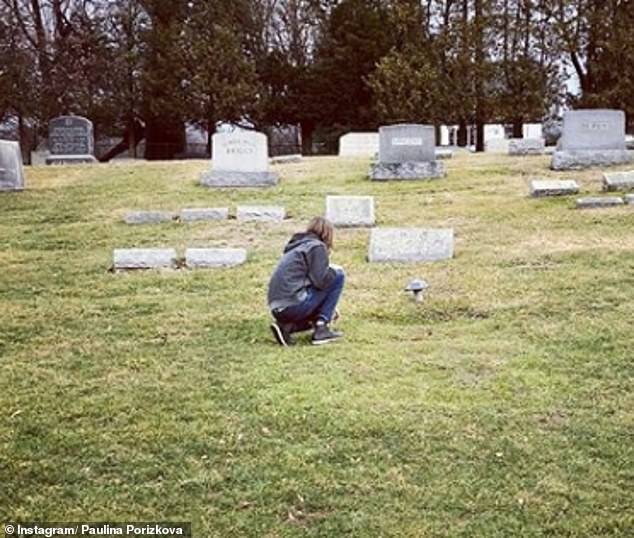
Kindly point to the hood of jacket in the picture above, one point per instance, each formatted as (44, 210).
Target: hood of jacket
(300, 239)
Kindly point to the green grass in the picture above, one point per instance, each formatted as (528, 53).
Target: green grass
(501, 406)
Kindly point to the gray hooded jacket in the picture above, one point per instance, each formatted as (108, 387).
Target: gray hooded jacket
(304, 263)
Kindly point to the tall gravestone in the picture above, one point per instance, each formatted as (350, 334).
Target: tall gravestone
(591, 138)
(239, 159)
(407, 151)
(70, 140)
(11, 170)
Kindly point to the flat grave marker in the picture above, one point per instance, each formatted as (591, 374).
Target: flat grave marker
(411, 244)
(263, 213)
(553, 187)
(144, 258)
(350, 211)
(214, 257)
(599, 202)
(193, 214)
(148, 217)
(618, 181)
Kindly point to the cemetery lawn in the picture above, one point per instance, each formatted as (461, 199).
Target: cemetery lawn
(501, 406)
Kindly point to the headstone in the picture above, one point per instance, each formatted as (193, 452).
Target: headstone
(598, 202)
(148, 217)
(410, 244)
(619, 181)
(526, 146)
(407, 151)
(591, 138)
(629, 141)
(494, 131)
(239, 159)
(497, 145)
(214, 257)
(284, 140)
(350, 211)
(358, 144)
(266, 213)
(495, 140)
(287, 159)
(553, 187)
(144, 258)
(444, 135)
(70, 140)
(444, 153)
(199, 213)
(38, 157)
(629, 199)
(11, 169)
(533, 130)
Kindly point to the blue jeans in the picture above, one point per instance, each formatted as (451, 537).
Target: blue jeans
(319, 304)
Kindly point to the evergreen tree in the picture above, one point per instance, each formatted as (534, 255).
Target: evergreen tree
(597, 38)
(221, 79)
(356, 36)
(528, 77)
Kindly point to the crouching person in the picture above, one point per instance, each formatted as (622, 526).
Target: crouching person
(305, 288)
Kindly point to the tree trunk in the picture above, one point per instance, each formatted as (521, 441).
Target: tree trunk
(131, 137)
(478, 83)
(164, 138)
(479, 135)
(132, 140)
(518, 128)
(307, 127)
(462, 134)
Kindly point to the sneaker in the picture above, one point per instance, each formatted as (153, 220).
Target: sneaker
(281, 334)
(323, 334)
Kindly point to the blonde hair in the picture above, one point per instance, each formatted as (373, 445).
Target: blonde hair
(323, 229)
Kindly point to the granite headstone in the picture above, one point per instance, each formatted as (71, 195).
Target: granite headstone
(407, 151)
(359, 144)
(619, 181)
(526, 146)
(70, 140)
(193, 214)
(239, 159)
(593, 137)
(596, 202)
(350, 211)
(144, 258)
(11, 170)
(553, 187)
(214, 257)
(148, 217)
(263, 213)
(410, 244)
